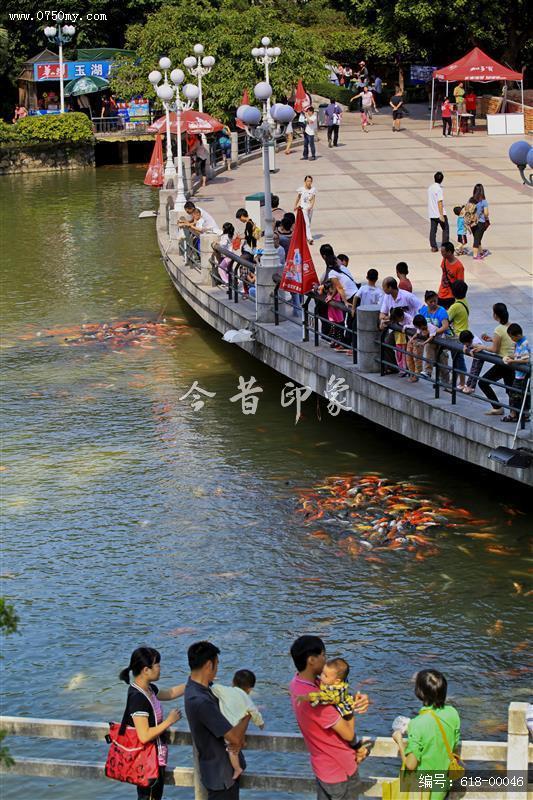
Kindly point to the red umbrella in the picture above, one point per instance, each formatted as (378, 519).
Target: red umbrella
(191, 122)
(301, 101)
(244, 102)
(154, 173)
(299, 274)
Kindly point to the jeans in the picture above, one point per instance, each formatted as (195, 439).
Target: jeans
(435, 222)
(333, 134)
(495, 373)
(309, 144)
(447, 126)
(224, 794)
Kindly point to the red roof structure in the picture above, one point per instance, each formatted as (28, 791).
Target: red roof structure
(476, 66)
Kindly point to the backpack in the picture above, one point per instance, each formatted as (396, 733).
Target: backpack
(470, 216)
(256, 232)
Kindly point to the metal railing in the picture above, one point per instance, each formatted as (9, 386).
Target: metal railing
(516, 753)
(442, 375)
(189, 249)
(118, 123)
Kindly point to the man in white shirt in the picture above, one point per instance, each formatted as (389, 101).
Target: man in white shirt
(437, 213)
(396, 298)
(208, 224)
(309, 134)
(200, 224)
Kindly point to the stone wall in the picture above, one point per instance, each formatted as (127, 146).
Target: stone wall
(45, 157)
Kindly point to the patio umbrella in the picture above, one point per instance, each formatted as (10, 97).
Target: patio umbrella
(191, 122)
(154, 173)
(85, 85)
(301, 101)
(244, 102)
(299, 274)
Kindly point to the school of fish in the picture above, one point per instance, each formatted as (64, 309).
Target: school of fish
(375, 514)
(132, 332)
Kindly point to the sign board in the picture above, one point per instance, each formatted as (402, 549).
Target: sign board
(71, 70)
(420, 73)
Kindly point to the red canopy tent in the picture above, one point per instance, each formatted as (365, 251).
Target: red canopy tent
(475, 66)
(191, 122)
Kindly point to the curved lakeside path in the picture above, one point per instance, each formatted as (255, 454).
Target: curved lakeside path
(371, 204)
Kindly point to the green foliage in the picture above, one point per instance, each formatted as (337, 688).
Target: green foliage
(441, 31)
(8, 624)
(331, 90)
(8, 617)
(229, 34)
(8, 133)
(72, 127)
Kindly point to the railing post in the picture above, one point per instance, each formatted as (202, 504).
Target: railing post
(454, 379)
(230, 279)
(235, 148)
(517, 746)
(368, 339)
(276, 304)
(206, 251)
(200, 792)
(305, 335)
(437, 372)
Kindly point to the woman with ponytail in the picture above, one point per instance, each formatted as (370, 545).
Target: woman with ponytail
(144, 712)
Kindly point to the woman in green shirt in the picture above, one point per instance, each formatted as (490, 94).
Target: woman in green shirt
(426, 749)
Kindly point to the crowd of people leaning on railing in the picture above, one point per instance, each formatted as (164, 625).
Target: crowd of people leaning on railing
(324, 705)
(416, 331)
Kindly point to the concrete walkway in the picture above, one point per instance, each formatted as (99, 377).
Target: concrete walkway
(371, 204)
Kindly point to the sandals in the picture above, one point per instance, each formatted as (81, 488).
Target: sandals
(508, 418)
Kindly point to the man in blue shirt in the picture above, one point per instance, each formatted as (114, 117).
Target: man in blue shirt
(210, 730)
(333, 114)
(378, 88)
(435, 314)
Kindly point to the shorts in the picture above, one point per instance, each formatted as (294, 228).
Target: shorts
(397, 115)
(346, 790)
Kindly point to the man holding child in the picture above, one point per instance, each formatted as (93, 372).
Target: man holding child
(328, 732)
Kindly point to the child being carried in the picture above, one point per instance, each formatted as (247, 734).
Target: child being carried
(235, 703)
(335, 691)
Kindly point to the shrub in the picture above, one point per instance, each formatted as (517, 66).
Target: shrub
(8, 133)
(327, 89)
(71, 127)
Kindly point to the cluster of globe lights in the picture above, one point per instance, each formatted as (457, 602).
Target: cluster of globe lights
(521, 154)
(192, 63)
(67, 30)
(266, 50)
(165, 91)
(251, 116)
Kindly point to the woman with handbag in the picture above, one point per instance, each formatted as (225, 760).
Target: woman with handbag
(433, 736)
(144, 712)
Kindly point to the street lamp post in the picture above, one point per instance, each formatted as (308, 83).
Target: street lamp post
(190, 92)
(199, 65)
(265, 56)
(263, 128)
(60, 36)
(165, 92)
(521, 154)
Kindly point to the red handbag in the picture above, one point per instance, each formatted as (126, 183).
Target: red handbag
(129, 760)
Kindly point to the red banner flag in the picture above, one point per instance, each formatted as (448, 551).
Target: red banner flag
(154, 173)
(301, 102)
(299, 273)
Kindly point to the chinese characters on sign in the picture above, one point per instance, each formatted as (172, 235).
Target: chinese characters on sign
(71, 70)
(291, 394)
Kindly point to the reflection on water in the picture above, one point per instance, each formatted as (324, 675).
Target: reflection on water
(131, 518)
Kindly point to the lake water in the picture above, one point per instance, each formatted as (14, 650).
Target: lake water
(130, 518)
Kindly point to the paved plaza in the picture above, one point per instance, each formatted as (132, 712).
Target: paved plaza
(371, 204)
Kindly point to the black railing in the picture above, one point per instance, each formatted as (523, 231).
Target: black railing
(189, 248)
(442, 375)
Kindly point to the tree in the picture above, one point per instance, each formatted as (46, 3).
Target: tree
(8, 624)
(440, 31)
(229, 33)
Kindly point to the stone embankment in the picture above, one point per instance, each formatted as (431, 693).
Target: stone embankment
(49, 157)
